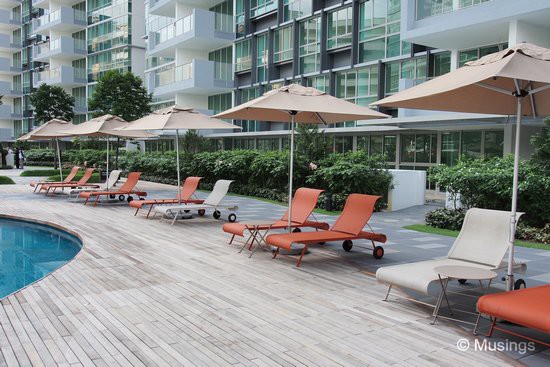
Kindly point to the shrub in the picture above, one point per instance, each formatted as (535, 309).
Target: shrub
(541, 235)
(94, 179)
(446, 218)
(42, 172)
(487, 183)
(4, 180)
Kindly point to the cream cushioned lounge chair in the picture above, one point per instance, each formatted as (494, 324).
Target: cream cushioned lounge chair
(482, 242)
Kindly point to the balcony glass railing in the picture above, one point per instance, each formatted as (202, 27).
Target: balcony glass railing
(430, 8)
(263, 7)
(79, 15)
(176, 74)
(175, 29)
(48, 74)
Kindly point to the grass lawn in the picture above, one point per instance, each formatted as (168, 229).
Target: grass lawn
(42, 172)
(4, 180)
(447, 232)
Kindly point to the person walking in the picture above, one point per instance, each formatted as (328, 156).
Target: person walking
(22, 158)
(17, 158)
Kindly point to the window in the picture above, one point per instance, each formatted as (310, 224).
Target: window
(343, 144)
(248, 94)
(428, 8)
(239, 18)
(283, 44)
(493, 144)
(442, 63)
(222, 63)
(310, 36)
(293, 9)
(413, 69)
(243, 58)
(261, 59)
(223, 16)
(390, 145)
(471, 144)
(219, 102)
(267, 144)
(109, 34)
(379, 27)
(450, 143)
(321, 82)
(359, 86)
(469, 55)
(418, 148)
(259, 7)
(376, 144)
(339, 28)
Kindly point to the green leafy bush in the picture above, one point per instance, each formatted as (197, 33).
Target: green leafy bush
(4, 180)
(446, 218)
(488, 184)
(540, 235)
(94, 179)
(42, 172)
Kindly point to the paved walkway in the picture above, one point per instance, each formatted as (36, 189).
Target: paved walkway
(145, 293)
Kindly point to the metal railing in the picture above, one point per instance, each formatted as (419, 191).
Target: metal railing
(175, 29)
(79, 15)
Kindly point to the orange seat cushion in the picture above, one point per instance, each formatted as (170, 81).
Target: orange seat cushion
(238, 228)
(285, 241)
(528, 307)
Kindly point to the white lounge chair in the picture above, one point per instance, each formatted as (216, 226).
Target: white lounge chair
(113, 178)
(483, 242)
(213, 201)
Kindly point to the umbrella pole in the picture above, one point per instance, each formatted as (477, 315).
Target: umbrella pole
(513, 219)
(107, 181)
(59, 159)
(292, 123)
(178, 164)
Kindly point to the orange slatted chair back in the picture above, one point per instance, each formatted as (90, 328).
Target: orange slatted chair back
(71, 174)
(303, 203)
(131, 182)
(87, 175)
(189, 187)
(356, 213)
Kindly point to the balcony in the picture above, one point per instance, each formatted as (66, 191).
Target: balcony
(8, 91)
(66, 48)
(200, 30)
(45, 4)
(167, 8)
(7, 68)
(80, 105)
(66, 76)
(64, 20)
(7, 20)
(8, 44)
(6, 113)
(457, 25)
(200, 77)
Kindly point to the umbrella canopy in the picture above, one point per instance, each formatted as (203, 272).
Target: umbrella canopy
(312, 106)
(178, 118)
(105, 126)
(48, 131)
(515, 81)
(295, 103)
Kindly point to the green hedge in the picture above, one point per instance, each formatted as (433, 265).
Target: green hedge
(4, 180)
(265, 174)
(93, 179)
(488, 184)
(42, 172)
(87, 157)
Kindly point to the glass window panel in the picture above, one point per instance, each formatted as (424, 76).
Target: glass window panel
(494, 144)
(471, 144)
(442, 63)
(393, 46)
(363, 143)
(390, 146)
(379, 12)
(450, 143)
(407, 147)
(372, 50)
(422, 148)
(376, 142)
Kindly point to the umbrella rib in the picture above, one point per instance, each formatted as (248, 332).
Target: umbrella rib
(532, 99)
(320, 118)
(540, 89)
(493, 88)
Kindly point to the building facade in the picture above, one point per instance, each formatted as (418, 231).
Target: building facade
(365, 50)
(68, 43)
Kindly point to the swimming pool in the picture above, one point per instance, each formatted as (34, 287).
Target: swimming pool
(30, 251)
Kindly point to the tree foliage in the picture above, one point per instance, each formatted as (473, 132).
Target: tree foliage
(192, 143)
(52, 102)
(311, 142)
(120, 94)
(541, 143)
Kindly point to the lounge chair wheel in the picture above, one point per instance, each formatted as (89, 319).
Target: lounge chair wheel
(217, 214)
(112, 196)
(347, 245)
(121, 197)
(296, 230)
(186, 211)
(462, 281)
(232, 217)
(202, 212)
(322, 243)
(141, 198)
(129, 198)
(378, 252)
(520, 283)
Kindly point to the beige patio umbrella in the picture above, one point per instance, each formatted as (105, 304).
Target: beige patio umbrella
(48, 131)
(104, 127)
(298, 104)
(515, 81)
(178, 118)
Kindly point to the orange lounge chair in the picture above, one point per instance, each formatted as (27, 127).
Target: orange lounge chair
(83, 182)
(187, 190)
(125, 190)
(526, 307)
(303, 203)
(69, 179)
(348, 227)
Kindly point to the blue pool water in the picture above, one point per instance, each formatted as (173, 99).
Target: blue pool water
(30, 251)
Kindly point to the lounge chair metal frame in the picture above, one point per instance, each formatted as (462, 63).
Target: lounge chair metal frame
(114, 177)
(122, 193)
(83, 182)
(68, 179)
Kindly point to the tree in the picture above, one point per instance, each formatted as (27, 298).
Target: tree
(52, 102)
(122, 95)
(192, 143)
(541, 144)
(311, 142)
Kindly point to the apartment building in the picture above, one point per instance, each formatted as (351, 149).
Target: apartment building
(68, 43)
(190, 53)
(365, 50)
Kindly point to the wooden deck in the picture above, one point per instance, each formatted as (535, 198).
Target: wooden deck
(144, 293)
